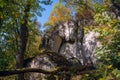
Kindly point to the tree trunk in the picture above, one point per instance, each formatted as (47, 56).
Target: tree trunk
(23, 42)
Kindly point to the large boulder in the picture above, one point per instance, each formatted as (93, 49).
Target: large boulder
(40, 61)
(68, 40)
(70, 45)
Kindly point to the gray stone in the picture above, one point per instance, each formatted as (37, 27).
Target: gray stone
(66, 42)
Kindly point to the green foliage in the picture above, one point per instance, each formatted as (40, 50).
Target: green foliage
(116, 73)
(33, 45)
(11, 18)
(108, 55)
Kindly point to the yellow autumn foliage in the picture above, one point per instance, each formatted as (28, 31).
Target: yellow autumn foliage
(60, 13)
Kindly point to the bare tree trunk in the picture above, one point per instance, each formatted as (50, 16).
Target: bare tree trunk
(23, 43)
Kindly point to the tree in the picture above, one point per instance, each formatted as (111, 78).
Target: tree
(59, 14)
(18, 33)
(19, 16)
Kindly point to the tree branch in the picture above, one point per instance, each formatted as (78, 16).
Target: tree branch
(25, 70)
(59, 71)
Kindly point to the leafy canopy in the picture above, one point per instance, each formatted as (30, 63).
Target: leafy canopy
(59, 14)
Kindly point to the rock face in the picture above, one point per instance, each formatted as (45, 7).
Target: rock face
(69, 42)
(89, 45)
(41, 62)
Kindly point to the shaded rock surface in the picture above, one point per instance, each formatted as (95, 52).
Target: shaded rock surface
(41, 62)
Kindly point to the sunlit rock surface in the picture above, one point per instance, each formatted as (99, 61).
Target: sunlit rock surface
(89, 45)
(66, 40)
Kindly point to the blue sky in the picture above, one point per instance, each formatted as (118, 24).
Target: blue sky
(46, 13)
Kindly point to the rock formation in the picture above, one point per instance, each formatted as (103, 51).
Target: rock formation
(70, 45)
